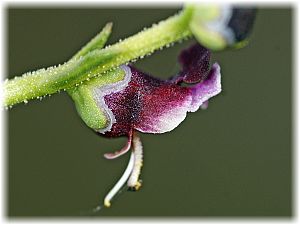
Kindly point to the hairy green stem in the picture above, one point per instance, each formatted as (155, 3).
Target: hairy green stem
(97, 61)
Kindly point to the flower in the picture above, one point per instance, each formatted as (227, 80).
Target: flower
(151, 105)
(147, 104)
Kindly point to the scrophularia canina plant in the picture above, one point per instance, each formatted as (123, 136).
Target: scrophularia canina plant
(115, 99)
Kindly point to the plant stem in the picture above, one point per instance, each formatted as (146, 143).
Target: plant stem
(78, 69)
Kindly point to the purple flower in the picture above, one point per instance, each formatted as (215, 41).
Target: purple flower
(150, 105)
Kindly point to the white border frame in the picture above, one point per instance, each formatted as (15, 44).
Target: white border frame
(164, 3)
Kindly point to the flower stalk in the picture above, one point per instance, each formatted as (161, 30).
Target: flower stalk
(97, 61)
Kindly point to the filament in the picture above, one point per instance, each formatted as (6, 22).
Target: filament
(133, 180)
(121, 181)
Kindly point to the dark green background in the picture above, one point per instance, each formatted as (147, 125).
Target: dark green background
(233, 159)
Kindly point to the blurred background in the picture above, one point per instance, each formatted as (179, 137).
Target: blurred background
(233, 159)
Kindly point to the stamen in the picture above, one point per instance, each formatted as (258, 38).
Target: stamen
(116, 154)
(121, 182)
(204, 105)
(133, 180)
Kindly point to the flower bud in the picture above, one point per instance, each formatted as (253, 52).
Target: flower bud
(218, 27)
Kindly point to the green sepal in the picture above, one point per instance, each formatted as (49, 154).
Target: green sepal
(86, 102)
(84, 95)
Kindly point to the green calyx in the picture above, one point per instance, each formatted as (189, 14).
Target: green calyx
(86, 100)
(84, 95)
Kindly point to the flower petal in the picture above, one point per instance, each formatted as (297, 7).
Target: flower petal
(167, 106)
(151, 105)
(164, 108)
(195, 64)
(205, 90)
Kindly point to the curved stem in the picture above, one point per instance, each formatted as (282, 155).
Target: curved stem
(77, 70)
